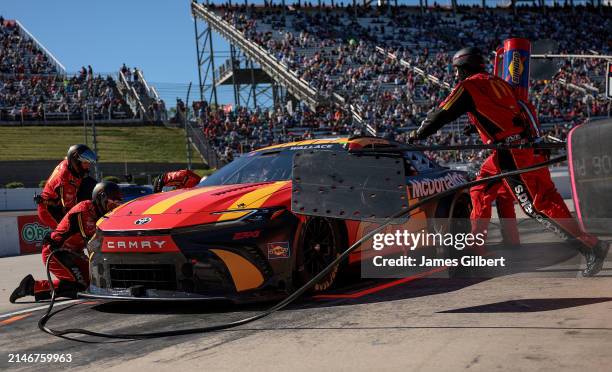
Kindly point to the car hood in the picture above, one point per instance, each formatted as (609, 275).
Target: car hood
(195, 206)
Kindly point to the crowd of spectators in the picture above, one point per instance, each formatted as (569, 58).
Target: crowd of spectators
(47, 97)
(344, 50)
(34, 88)
(154, 106)
(338, 51)
(20, 55)
(242, 130)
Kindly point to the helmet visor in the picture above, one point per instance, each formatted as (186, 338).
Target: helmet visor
(88, 156)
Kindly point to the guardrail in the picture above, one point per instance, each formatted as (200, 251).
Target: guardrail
(26, 34)
(151, 91)
(131, 96)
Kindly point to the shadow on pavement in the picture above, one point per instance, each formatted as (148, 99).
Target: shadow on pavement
(529, 305)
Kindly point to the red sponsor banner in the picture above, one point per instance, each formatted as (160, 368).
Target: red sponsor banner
(138, 244)
(31, 234)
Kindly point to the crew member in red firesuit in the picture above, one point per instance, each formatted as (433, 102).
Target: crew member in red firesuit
(73, 232)
(500, 118)
(182, 179)
(505, 209)
(61, 189)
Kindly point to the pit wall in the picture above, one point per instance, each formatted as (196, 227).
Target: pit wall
(21, 233)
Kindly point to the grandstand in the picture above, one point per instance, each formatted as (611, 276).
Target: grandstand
(378, 69)
(36, 89)
(328, 71)
(41, 103)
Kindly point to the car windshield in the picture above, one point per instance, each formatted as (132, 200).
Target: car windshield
(265, 167)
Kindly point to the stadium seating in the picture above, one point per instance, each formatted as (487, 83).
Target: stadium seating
(33, 89)
(343, 50)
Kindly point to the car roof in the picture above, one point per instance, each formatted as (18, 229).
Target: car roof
(363, 141)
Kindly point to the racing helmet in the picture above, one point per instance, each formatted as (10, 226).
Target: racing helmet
(468, 61)
(106, 196)
(86, 188)
(81, 158)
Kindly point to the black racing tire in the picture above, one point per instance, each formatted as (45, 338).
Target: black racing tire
(320, 243)
(460, 217)
(459, 223)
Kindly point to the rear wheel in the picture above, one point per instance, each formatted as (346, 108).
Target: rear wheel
(460, 221)
(453, 216)
(459, 224)
(320, 246)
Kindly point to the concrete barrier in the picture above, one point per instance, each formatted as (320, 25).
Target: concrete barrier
(18, 199)
(9, 237)
(21, 233)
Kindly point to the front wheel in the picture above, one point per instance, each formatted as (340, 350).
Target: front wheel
(320, 243)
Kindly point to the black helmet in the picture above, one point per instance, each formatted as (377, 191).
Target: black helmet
(106, 196)
(86, 188)
(81, 158)
(468, 61)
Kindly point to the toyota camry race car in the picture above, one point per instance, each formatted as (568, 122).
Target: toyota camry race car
(234, 236)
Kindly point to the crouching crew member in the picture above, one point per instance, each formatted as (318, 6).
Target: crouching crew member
(61, 190)
(182, 179)
(500, 118)
(73, 232)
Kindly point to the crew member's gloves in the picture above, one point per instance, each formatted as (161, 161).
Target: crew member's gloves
(53, 246)
(413, 136)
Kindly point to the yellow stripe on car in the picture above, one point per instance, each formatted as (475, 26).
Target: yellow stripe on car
(253, 199)
(304, 143)
(166, 204)
(244, 274)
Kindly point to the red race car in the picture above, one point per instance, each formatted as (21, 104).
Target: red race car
(235, 237)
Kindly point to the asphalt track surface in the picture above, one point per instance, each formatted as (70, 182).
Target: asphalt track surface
(544, 318)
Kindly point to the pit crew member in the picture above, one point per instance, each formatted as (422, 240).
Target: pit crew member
(61, 189)
(182, 179)
(500, 118)
(73, 232)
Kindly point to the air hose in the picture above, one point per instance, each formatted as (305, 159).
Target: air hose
(42, 323)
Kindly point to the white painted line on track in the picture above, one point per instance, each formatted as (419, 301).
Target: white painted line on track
(44, 307)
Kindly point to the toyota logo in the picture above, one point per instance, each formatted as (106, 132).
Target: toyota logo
(142, 221)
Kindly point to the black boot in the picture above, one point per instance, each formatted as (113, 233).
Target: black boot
(595, 259)
(25, 288)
